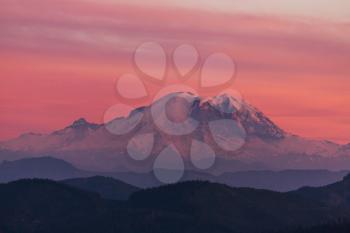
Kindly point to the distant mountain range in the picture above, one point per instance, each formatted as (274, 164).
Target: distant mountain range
(267, 147)
(44, 206)
(44, 167)
(55, 169)
(59, 170)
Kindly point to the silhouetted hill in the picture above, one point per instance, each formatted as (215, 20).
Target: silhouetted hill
(43, 206)
(340, 226)
(43, 167)
(108, 188)
(235, 209)
(337, 194)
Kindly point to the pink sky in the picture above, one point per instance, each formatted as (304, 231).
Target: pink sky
(59, 59)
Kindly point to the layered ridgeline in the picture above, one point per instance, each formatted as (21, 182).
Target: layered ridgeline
(265, 147)
(56, 169)
(188, 207)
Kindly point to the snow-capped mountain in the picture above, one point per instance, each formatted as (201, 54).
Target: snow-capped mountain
(265, 145)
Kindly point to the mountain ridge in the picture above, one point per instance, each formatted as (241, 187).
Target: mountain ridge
(107, 187)
(46, 168)
(186, 207)
(266, 143)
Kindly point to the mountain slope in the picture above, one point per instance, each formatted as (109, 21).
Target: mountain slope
(108, 188)
(334, 227)
(235, 208)
(337, 194)
(43, 167)
(55, 169)
(93, 147)
(43, 206)
(281, 181)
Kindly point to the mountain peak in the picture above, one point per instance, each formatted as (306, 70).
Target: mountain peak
(82, 123)
(254, 121)
(226, 102)
(228, 105)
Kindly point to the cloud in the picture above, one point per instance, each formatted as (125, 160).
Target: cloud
(78, 40)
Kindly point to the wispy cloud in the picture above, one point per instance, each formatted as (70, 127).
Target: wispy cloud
(76, 41)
